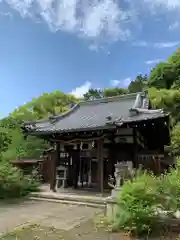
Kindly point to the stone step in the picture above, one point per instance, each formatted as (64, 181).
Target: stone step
(71, 197)
(71, 202)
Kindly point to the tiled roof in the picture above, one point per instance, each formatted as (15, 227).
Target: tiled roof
(96, 114)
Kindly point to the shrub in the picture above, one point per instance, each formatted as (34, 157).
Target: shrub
(169, 189)
(13, 183)
(137, 202)
(147, 200)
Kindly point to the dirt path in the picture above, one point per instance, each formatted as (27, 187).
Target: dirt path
(59, 216)
(52, 221)
(43, 220)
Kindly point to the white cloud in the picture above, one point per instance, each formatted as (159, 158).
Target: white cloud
(140, 44)
(174, 26)
(93, 47)
(115, 83)
(121, 83)
(166, 44)
(156, 45)
(6, 14)
(125, 82)
(81, 90)
(154, 61)
(168, 4)
(102, 19)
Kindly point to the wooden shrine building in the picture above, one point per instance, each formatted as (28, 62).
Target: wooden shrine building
(94, 135)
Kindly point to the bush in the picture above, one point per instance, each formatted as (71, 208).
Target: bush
(137, 204)
(146, 201)
(13, 183)
(169, 189)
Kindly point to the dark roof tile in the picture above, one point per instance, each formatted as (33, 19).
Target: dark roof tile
(93, 114)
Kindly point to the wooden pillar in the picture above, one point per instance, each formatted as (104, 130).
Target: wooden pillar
(135, 164)
(76, 166)
(54, 161)
(100, 158)
(112, 156)
(90, 172)
(52, 172)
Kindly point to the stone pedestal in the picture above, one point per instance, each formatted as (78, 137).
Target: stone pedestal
(111, 208)
(122, 172)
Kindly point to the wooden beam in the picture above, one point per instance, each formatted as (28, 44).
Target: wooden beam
(100, 158)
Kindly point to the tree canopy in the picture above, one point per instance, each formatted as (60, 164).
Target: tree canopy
(163, 84)
(139, 84)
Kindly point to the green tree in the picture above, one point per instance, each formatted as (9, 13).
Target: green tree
(93, 94)
(163, 75)
(44, 106)
(138, 84)
(16, 146)
(169, 100)
(175, 141)
(106, 92)
(5, 140)
(111, 92)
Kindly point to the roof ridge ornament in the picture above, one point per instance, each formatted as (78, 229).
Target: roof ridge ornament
(72, 104)
(133, 112)
(109, 120)
(53, 118)
(138, 102)
(30, 126)
(145, 101)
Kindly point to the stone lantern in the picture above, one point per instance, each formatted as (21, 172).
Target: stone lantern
(122, 172)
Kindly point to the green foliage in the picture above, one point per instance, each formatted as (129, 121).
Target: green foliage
(5, 140)
(106, 92)
(169, 190)
(162, 76)
(169, 100)
(139, 84)
(143, 202)
(93, 94)
(166, 74)
(111, 92)
(12, 142)
(137, 202)
(16, 146)
(13, 184)
(44, 106)
(175, 140)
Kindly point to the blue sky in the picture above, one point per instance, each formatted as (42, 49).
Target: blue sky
(72, 45)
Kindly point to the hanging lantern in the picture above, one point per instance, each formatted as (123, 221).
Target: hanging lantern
(93, 143)
(81, 145)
